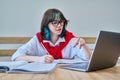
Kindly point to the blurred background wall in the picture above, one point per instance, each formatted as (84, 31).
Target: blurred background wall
(86, 17)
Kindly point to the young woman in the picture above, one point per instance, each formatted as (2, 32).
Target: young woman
(53, 42)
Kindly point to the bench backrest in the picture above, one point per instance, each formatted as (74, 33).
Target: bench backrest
(23, 40)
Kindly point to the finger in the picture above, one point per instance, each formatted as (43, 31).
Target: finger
(50, 56)
(82, 42)
(48, 59)
(77, 42)
(81, 45)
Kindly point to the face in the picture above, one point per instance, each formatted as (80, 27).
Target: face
(56, 27)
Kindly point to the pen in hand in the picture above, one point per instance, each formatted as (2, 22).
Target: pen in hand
(48, 58)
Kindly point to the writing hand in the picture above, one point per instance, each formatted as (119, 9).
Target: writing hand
(45, 59)
(48, 59)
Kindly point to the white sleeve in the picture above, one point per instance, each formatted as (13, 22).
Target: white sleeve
(27, 49)
(73, 52)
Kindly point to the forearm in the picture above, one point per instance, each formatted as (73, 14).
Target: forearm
(87, 51)
(43, 59)
(27, 58)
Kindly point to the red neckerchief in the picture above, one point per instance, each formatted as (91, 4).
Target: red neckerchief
(56, 51)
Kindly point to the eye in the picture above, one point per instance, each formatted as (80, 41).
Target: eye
(55, 22)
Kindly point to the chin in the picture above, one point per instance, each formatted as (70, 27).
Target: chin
(59, 32)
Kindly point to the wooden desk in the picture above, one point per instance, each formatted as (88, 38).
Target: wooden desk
(63, 74)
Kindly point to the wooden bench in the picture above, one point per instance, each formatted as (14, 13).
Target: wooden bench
(23, 40)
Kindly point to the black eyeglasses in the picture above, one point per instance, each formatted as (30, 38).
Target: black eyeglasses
(56, 23)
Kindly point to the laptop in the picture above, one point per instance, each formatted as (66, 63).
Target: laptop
(105, 54)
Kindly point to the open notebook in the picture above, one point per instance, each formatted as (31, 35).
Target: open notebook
(105, 54)
(25, 67)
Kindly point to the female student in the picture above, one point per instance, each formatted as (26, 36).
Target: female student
(53, 42)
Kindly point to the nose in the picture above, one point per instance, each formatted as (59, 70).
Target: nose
(59, 24)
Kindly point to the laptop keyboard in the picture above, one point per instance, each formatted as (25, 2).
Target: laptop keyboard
(77, 66)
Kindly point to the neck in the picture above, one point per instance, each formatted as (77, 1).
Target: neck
(54, 38)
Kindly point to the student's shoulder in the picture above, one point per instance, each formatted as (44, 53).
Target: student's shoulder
(33, 38)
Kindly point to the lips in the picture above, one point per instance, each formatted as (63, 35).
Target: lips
(59, 30)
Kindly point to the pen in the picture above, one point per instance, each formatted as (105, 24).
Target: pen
(45, 48)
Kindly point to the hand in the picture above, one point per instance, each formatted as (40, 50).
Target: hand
(79, 41)
(46, 59)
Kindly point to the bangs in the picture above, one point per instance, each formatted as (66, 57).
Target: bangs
(56, 16)
(59, 17)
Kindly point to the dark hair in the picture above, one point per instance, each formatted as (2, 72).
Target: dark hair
(49, 16)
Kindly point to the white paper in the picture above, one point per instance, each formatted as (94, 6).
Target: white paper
(25, 67)
(13, 64)
(35, 67)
